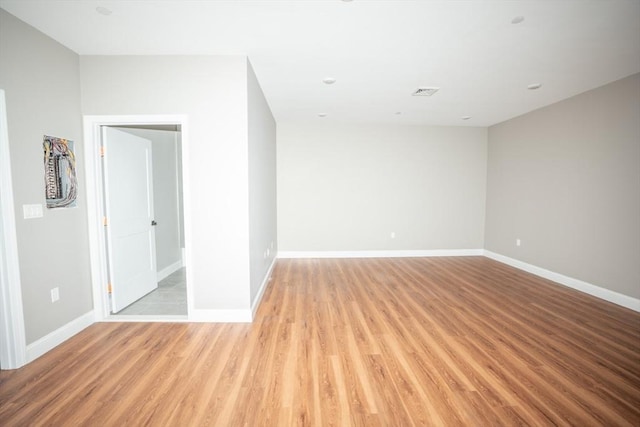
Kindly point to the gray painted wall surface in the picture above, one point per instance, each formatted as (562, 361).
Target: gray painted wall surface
(164, 146)
(180, 188)
(41, 80)
(565, 180)
(262, 184)
(348, 187)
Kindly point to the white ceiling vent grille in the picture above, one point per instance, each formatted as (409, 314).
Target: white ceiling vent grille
(425, 91)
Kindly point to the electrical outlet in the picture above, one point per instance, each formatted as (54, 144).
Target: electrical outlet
(518, 242)
(55, 294)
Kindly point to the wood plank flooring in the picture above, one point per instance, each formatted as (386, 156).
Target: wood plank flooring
(371, 342)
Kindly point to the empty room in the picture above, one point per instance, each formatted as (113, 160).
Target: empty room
(320, 213)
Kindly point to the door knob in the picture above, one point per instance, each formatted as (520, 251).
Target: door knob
(153, 222)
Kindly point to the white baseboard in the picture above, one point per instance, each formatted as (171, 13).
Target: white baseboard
(221, 316)
(231, 316)
(142, 318)
(381, 254)
(588, 288)
(165, 272)
(57, 337)
(263, 287)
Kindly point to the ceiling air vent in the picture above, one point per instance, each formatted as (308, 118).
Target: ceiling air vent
(425, 91)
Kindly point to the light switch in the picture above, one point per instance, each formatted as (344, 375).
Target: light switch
(32, 211)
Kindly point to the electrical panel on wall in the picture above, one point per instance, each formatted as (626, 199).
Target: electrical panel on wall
(60, 172)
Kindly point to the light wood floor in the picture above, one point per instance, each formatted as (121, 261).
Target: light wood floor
(373, 342)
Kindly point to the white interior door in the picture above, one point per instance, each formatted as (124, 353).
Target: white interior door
(129, 211)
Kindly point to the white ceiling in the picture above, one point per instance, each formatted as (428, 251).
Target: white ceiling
(379, 51)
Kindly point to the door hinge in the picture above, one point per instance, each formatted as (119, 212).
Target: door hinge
(102, 151)
(104, 221)
(109, 288)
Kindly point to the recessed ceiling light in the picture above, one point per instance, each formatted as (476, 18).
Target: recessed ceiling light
(322, 114)
(103, 11)
(534, 86)
(397, 113)
(466, 117)
(328, 80)
(517, 19)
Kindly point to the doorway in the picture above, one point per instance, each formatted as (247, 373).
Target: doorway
(172, 299)
(13, 353)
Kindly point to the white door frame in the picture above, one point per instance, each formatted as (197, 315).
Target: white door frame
(13, 345)
(95, 206)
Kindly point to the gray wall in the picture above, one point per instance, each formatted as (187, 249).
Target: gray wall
(164, 148)
(41, 80)
(180, 188)
(565, 180)
(348, 187)
(212, 92)
(262, 184)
